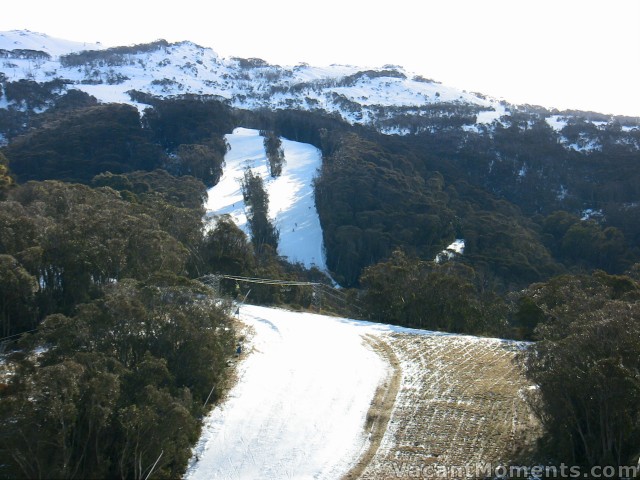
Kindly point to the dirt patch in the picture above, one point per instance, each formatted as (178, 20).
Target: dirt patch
(380, 410)
(461, 404)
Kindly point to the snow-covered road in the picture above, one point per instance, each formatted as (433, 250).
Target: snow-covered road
(300, 404)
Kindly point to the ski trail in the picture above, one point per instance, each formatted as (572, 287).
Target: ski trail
(292, 207)
(299, 407)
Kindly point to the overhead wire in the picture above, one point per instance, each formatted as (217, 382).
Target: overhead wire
(322, 288)
(266, 281)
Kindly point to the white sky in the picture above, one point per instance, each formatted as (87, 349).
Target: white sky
(558, 53)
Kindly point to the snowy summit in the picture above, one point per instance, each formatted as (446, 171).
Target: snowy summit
(55, 47)
(370, 96)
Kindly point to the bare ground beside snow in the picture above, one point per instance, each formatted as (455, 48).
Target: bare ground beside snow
(331, 398)
(381, 407)
(460, 403)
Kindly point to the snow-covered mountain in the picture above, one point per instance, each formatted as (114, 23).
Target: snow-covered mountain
(358, 95)
(37, 70)
(389, 98)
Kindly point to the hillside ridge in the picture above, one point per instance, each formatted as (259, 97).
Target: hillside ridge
(388, 98)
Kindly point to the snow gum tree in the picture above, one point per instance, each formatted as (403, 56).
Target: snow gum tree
(409, 292)
(5, 179)
(119, 348)
(117, 388)
(256, 197)
(586, 366)
(275, 153)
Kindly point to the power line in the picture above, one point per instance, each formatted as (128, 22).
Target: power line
(17, 335)
(264, 281)
(320, 289)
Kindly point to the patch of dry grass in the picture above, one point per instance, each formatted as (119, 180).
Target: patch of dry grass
(460, 402)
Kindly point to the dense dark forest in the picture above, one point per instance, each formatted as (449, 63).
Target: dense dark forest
(102, 243)
(116, 335)
(418, 193)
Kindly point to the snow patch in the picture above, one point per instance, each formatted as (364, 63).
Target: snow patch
(556, 122)
(584, 145)
(489, 116)
(562, 193)
(592, 214)
(456, 248)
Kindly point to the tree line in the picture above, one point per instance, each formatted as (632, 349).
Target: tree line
(585, 367)
(78, 139)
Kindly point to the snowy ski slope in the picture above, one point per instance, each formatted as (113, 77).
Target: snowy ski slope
(300, 404)
(291, 199)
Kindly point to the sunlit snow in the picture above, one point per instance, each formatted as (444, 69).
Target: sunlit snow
(291, 197)
(299, 408)
(26, 40)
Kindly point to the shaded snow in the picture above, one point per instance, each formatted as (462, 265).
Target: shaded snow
(585, 144)
(291, 197)
(455, 248)
(591, 214)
